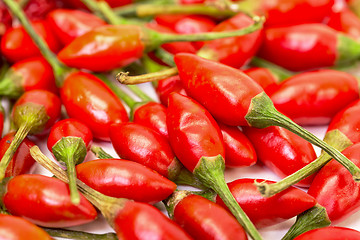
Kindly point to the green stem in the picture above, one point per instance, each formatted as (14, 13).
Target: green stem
(210, 170)
(165, 56)
(124, 78)
(78, 235)
(334, 138)
(100, 153)
(143, 96)
(185, 177)
(262, 113)
(315, 217)
(279, 72)
(59, 69)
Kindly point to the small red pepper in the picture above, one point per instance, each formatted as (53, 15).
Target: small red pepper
(25, 75)
(69, 24)
(125, 179)
(308, 46)
(168, 85)
(17, 45)
(263, 76)
(313, 98)
(45, 201)
(346, 21)
(330, 233)
(200, 218)
(13, 227)
(272, 210)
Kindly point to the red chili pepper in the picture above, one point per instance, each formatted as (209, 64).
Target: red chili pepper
(33, 113)
(263, 76)
(200, 218)
(345, 21)
(235, 51)
(268, 211)
(347, 121)
(330, 233)
(335, 189)
(17, 45)
(13, 227)
(281, 151)
(125, 179)
(197, 141)
(167, 86)
(308, 46)
(26, 75)
(22, 161)
(313, 98)
(45, 201)
(69, 24)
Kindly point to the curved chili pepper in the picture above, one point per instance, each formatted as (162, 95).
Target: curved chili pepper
(330, 233)
(281, 151)
(347, 121)
(69, 141)
(235, 51)
(263, 76)
(13, 227)
(26, 75)
(197, 141)
(125, 179)
(268, 211)
(313, 98)
(69, 24)
(17, 45)
(167, 86)
(33, 113)
(45, 201)
(335, 189)
(200, 217)
(345, 21)
(22, 161)
(308, 46)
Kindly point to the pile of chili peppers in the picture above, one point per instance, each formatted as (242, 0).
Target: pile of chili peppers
(215, 147)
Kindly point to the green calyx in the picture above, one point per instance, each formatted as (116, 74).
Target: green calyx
(315, 217)
(10, 84)
(185, 177)
(171, 202)
(32, 114)
(100, 153)
(348, 50)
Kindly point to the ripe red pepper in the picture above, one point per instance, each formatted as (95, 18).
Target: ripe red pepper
(29, 74)
(22, 161)
(308, 46)
(268, 211)
(167, 86)
(345, 21)
(17, 45)
(200, 218)
(313, 98)
(125, 179)
(33, 113)
(335, 189)
(69, 24)
(13, 227)
(45, 201)
(281, 151)
(347, 121)
(263, 76)
(330, 233)
(235, 51)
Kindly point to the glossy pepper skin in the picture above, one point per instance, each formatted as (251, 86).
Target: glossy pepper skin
(17, 45)
(262, 76)
(141, 144)
(69, 24)
(200, 218)
(167, 86)
(281, 151)
(22, 161)
(313, 98)
(345, 21)
(45, 201)
(142, 221)
(220, 88)
(193, 132)
(347, 121)
(125, 179)
(122, 44)
(26, 75)
(87, 99)
(307, 46)
(268, 211)
(330, 233)
(16, 228)
(335, 190)
(234, 51)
